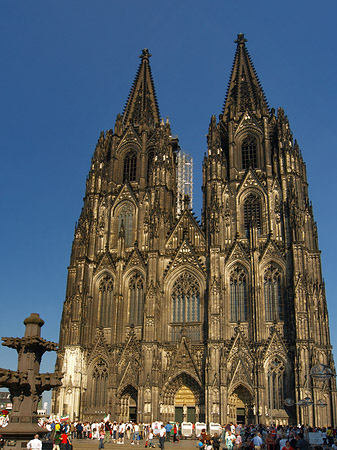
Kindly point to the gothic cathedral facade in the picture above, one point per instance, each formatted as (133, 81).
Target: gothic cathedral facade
(169, 319)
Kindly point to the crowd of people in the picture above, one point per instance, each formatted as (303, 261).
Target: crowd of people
(234, 437)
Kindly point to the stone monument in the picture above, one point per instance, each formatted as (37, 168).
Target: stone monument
(27, 383)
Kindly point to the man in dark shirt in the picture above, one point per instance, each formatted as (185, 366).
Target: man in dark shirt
(302, 444)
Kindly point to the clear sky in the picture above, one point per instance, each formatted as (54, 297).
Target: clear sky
(66, 71)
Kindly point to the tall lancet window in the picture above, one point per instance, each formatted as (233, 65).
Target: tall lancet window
(249, 153)
(150, 161)
(125, 218)
(99, 384)
(276, 385)
(238, 295)
(130, 167)
(252, 213)
(273, 294)
(136, 291)
(105, 301)
(186, 299)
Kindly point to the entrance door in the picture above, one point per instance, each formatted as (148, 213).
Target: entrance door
(240, 415)
(133, 413)
(178, 416)
(191, 414)
(184, 401)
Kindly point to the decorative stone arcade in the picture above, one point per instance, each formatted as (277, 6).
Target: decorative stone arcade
(27, 384)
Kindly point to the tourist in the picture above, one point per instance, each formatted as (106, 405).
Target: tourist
(238, 441)
(257, 441)
(135, 436)
(101, 437)
(287, 446)
(35, 444)
(2, 442)
(216, 441)
(150, 439)
(121, 431)
(162, 435)
(175, 432)
(57, 441)
(229, 440)
(302, 444)
(64, 440)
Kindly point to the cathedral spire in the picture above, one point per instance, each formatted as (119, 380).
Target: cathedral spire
(142, 106)
(244, 88)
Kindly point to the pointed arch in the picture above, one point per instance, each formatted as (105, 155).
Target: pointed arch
(136, 298)
(252, 212)
(238, 282)
(249, 152)
(125, 213)
(272, 290)
(105, 300)
(130, 167)
(98, 383)
(276, 377)
(185, 299)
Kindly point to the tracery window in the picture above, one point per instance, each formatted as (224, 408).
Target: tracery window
(99, 384)
(130, 166)
(249, 153)
(150, 161)
(105, 301)
(136, 290)
(276, 384)
(272, 294)
(238, 295)
(186, 299)
(125, 219)
(252, 212)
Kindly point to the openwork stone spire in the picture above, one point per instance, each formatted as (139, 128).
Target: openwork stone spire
(142, 106)
(244, 88)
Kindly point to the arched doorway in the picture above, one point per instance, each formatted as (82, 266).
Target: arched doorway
(184, 405)
(240, 405)
(182, 400)
(128, 408)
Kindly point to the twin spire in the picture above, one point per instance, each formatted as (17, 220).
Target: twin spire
(244, 90)
(142, 107)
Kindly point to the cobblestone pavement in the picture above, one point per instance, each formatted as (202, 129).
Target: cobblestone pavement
(90, 444)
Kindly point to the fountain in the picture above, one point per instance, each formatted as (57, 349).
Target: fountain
(27, 383)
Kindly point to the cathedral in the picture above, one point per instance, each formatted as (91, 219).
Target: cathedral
(166, 318)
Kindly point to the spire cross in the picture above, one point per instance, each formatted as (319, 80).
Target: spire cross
(241, 39)
(145, 54)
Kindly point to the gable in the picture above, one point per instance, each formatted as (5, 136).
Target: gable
(185, 256)
(186, 228)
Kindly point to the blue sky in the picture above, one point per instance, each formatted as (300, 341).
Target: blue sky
(66, 71)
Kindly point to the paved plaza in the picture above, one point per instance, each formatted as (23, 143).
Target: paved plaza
(84, 444)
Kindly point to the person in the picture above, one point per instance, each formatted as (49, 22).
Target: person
(101, 437)
(287, 446)
(270, 441)
(64, 440)
(57, 441)
(175, 433)
(162, 435)
(302, 444)
(238, 441)
(168, 428)
(216, 441)
(2, 442)
(257, 441)
(229, 440)
(35, 444)
(150, 438)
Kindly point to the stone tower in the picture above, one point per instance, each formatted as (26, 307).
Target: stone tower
(168, 319)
